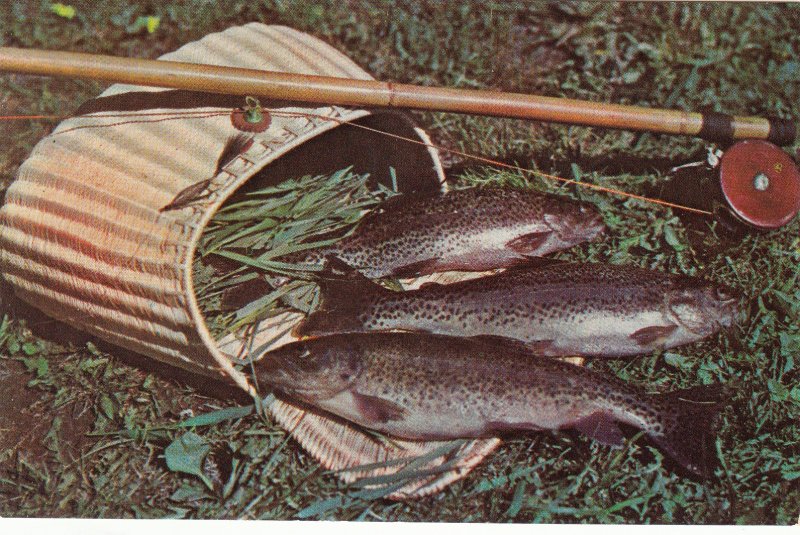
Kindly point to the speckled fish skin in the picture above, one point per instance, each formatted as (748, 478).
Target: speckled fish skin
(462, 230)
(558, 309)
(431, 387)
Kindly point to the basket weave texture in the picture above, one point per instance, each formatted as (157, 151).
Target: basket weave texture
(83, 237)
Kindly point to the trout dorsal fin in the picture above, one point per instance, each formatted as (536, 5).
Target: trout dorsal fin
(339, 277)
(416, 269)
(337, 269)
(505, 342)
(535, 348)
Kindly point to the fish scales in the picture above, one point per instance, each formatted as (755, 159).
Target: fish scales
(432, 387)
(463, 230)
(557, 309)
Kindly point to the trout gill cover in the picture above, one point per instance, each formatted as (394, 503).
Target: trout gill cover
(430, 387)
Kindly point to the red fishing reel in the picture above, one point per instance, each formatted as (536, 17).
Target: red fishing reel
(761, 183)
(752, 184)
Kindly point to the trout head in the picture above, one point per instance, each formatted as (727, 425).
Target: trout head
(310, 370)
(700, 306)
(573, 222)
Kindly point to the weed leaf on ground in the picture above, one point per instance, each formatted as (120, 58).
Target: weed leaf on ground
(186, 454)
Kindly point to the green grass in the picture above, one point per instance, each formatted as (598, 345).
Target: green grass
(736, 58)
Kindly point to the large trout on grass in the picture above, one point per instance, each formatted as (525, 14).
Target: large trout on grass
(462, 230)
(431, 387)
(558, 309)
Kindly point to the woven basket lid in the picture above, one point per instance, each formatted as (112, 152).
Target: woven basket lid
(84, 239)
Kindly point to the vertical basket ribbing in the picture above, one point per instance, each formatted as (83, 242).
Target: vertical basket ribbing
(82, 236)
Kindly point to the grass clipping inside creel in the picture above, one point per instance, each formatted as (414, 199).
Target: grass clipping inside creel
(243, 246)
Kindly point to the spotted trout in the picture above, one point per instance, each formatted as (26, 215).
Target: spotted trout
(462, 230)
(557, 309)
(430, 387)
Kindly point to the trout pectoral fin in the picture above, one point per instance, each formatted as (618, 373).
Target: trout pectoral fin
(601, 427)
(377, 410)
(535, 347)
(651, 335)
(529, 243)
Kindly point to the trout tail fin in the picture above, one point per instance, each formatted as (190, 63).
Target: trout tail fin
(343, 292)
(689, 427)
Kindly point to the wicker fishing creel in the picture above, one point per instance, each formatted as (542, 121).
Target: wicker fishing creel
(84, 239)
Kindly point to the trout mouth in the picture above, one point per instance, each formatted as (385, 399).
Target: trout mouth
(727, 306)
(706, 312)
(581, 223)
(587, 224)
(596, 226)
(730, 313)
(306, 391)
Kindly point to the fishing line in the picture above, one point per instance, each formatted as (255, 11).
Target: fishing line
(161, 117)
(484, 159)
(193, 114)
(185, 115)
(101, 115)
(31, 117)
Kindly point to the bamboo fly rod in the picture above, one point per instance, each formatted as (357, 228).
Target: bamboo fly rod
(370, 93)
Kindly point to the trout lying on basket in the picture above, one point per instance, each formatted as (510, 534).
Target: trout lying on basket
(558, 309)
(430, 387)
(463, 230)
